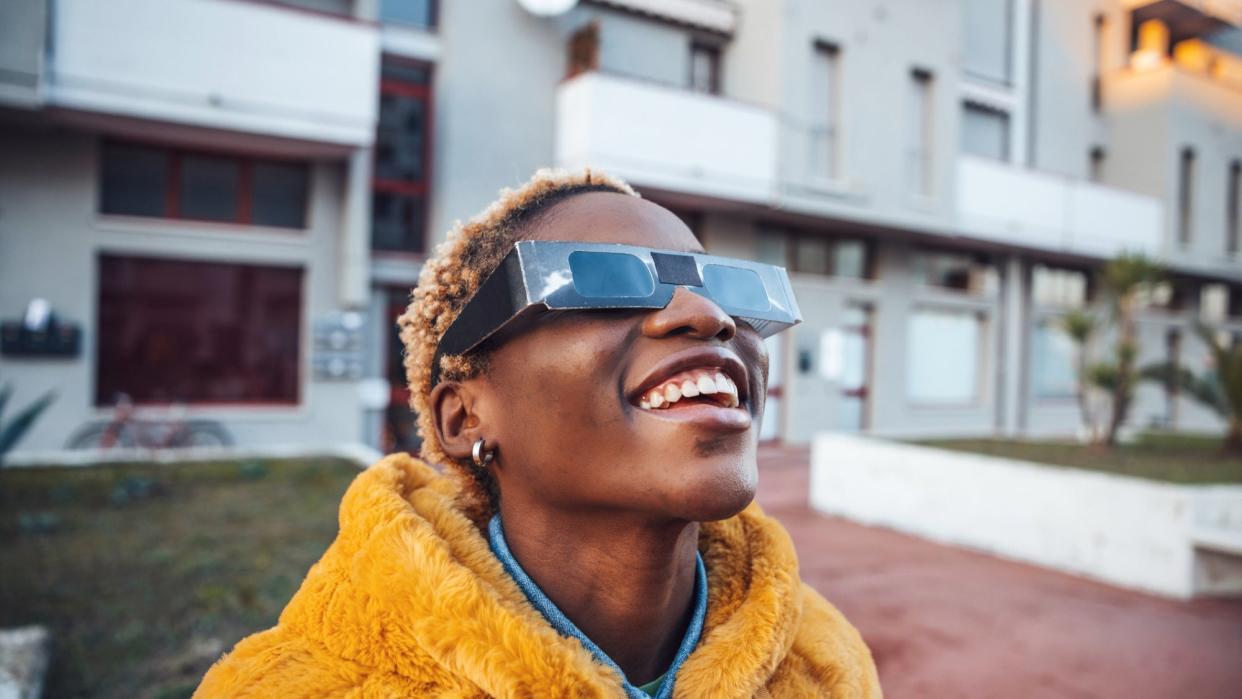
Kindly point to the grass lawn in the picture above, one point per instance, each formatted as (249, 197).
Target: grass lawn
(1166, 457)
(146, 573)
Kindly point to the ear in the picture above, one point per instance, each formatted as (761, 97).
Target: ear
(458, 426)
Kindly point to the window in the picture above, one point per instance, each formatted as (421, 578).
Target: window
(279, 194)
(811, 253)
(210, 188)
(921, 136)
(985, 131)
(826, 112)
(1214, 303)
(1097, 57)
(157, 182)
(972, 274)
(943, 357)
(1163, 296)
(198, 332)
(1054, 358)
(1185, 195)
(417, 13)
(1052, 287)
(402, 157)
(1095, 169)
(1233, 217)
(987, 38)
(705, 68)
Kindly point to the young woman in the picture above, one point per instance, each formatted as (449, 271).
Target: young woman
(592, 384)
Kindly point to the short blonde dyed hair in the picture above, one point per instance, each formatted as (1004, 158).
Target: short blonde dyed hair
(450, 278)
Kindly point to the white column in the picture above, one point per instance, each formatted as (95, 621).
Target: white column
(355, 243)
(1011, 359)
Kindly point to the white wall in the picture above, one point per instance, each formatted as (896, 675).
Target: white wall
(1126, 531)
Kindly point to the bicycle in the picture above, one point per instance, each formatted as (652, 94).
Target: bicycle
(127, 429)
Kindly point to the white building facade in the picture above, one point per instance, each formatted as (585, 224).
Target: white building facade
(229, 200)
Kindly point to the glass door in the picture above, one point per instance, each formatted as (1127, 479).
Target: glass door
(852, 412)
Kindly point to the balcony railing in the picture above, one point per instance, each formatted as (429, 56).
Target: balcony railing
(1025, 208)
(666, 137)
(222, 64)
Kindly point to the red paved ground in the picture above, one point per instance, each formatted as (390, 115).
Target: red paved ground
(946, 622)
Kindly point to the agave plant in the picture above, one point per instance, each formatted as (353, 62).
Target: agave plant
(12, 430)
(1219, 389)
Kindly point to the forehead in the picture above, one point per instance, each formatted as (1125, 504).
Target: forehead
(609, 217)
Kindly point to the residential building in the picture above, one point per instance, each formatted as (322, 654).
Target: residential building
(230, 199)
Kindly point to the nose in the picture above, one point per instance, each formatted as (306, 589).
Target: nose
(692, 314)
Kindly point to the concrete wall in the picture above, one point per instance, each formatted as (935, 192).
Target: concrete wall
(51, 235)
(495, 127)
(879, 46)
(1126, 531)
(1064, 126)
(23, 25)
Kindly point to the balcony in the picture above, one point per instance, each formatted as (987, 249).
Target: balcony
(1016, 206)
(1167, 85)
(712, 15)
(666, 137)
(232, 65)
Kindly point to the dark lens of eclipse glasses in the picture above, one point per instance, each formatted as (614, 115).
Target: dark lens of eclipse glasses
(610, 275)
(736, 288)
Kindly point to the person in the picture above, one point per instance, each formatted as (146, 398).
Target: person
(592, 533)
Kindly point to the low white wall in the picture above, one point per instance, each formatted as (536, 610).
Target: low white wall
(1127, 531)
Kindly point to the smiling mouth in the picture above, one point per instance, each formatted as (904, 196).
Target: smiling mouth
(698, 386)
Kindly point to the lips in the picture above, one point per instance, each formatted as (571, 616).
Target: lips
(701, 377)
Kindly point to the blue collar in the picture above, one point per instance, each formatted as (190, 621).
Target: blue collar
(560, 622)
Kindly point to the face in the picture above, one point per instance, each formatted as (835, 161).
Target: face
(569, 399)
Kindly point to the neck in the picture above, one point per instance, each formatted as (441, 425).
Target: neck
(626, 582)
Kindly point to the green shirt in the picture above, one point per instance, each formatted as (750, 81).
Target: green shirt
(654, 685)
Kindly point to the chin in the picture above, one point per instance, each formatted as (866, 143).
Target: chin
(728, 487)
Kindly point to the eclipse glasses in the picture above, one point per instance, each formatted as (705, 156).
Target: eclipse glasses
(551, 275)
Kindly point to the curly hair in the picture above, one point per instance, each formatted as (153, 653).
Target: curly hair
(449, 279)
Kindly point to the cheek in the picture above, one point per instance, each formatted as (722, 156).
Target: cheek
(558, 390)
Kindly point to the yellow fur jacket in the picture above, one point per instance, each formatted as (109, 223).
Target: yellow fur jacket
(410, 602)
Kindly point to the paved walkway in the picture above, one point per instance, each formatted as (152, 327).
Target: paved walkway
(947, 622)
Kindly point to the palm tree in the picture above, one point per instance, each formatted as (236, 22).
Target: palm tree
(13, 430)
(1080, 326)
(1219, 389)
(1124, 279)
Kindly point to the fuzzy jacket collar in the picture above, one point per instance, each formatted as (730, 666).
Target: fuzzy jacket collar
(411, 591)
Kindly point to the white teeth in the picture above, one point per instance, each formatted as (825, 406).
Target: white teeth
(701, 383)
(672, 392)
(706, 385)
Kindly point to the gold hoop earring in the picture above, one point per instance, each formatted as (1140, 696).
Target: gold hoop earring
(482, 458)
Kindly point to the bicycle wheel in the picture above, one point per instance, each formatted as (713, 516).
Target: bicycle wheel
(100, 435)
(205, 433)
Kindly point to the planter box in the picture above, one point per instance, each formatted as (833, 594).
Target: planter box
(1174, 540)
